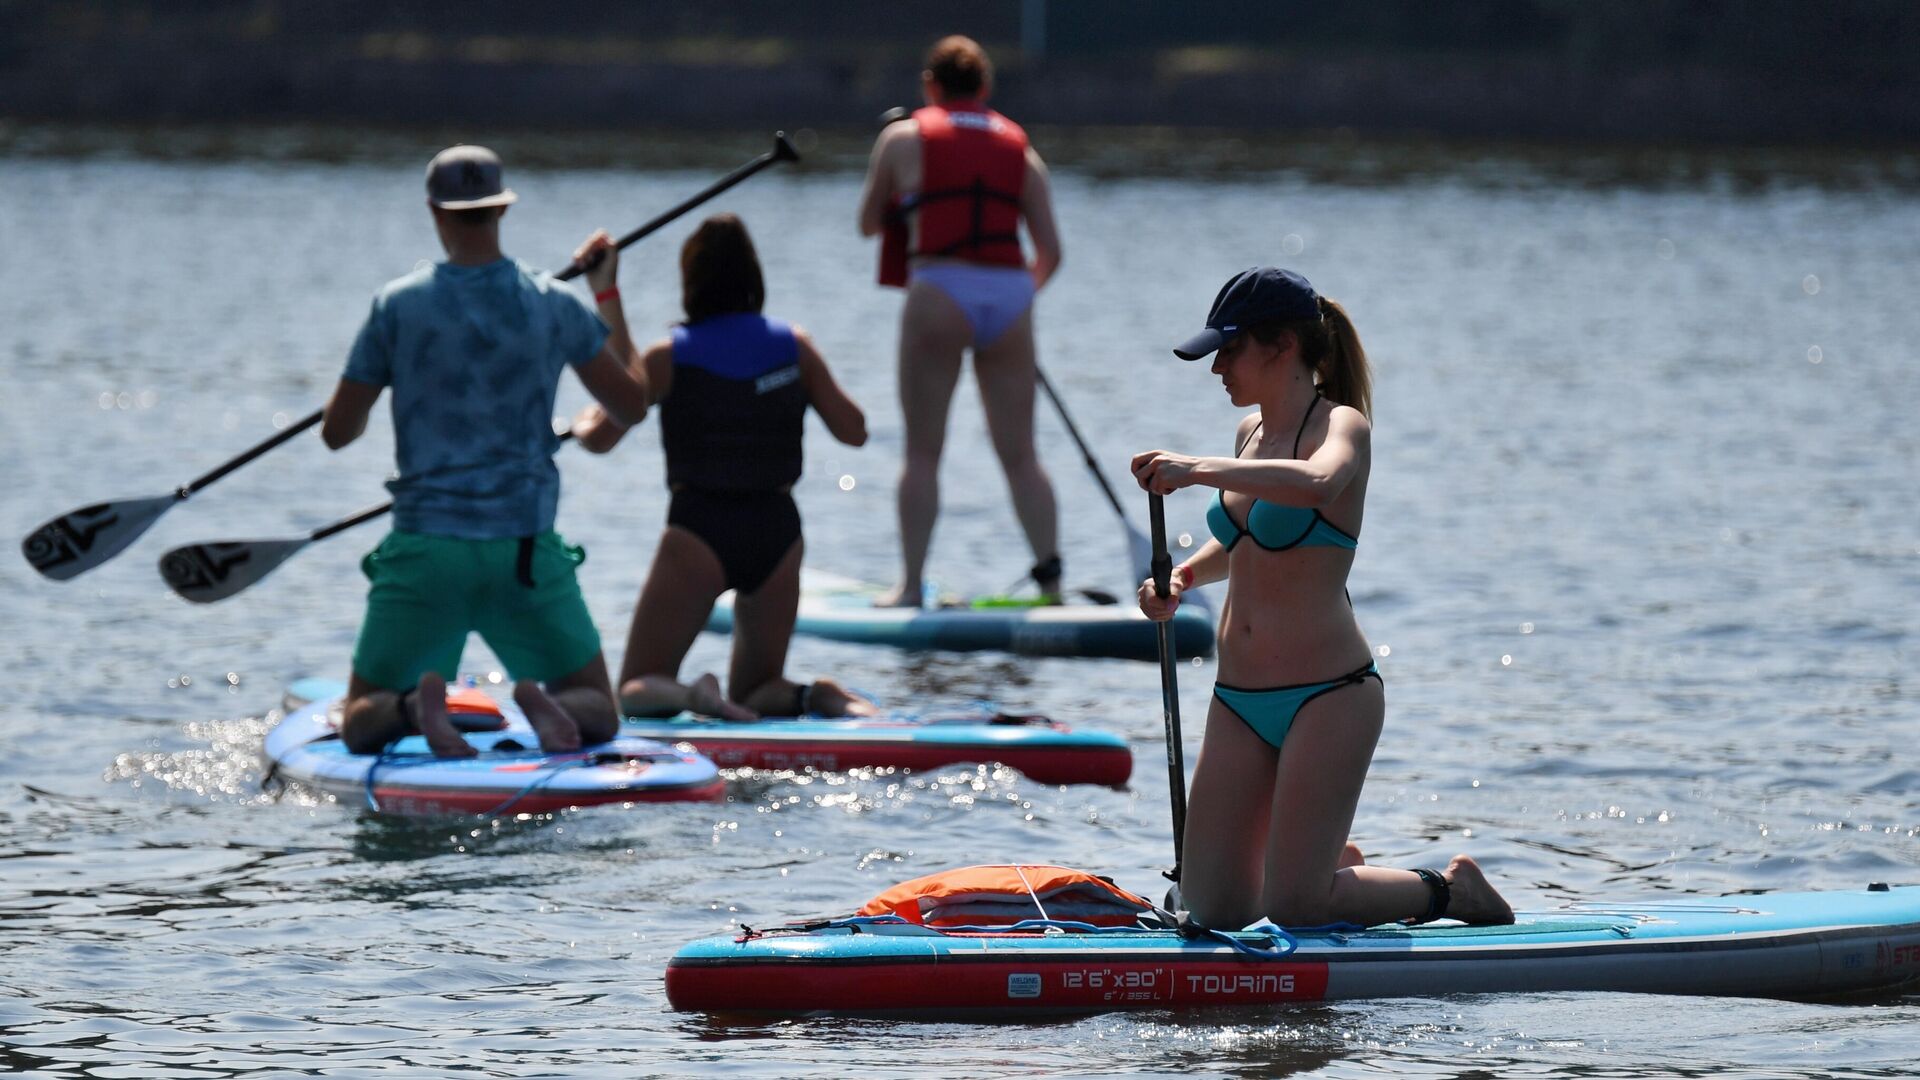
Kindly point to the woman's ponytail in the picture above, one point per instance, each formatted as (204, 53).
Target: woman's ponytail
(1345, 376)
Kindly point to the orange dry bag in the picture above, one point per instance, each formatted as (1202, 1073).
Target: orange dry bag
(1009, 893)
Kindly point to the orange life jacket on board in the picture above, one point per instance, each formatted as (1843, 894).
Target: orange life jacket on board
(973, 167)
(1006, 894)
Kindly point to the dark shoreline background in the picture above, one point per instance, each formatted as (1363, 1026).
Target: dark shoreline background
(1656, 71)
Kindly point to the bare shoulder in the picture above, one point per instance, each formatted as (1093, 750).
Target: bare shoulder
(1349, 423)
(898, 137)
(1244, 429)
(805, 351)
(659, 350)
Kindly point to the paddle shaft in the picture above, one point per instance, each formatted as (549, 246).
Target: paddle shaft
(282, 436)
(346, 523)
(1169, 683)
(782, 151)
(1086, 454)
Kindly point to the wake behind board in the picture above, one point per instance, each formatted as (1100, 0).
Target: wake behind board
(1047, 752)
(841, 609)
(1795, 945)
(510, 774)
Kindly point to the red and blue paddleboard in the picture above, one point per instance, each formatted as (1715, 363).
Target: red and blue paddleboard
(1795, 945)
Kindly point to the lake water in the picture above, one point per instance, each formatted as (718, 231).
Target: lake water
(1642, 566)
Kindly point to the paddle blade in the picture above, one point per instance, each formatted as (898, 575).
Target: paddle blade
(204, 573)
(72, 544)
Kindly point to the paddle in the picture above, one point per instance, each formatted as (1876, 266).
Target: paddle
(204, 573)
(1169, 684)
(76, 542)
(782, 151)
(213, 571)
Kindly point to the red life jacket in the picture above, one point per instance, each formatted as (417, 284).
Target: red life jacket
(973, 167)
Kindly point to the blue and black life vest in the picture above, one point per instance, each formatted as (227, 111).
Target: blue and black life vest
(734, 416)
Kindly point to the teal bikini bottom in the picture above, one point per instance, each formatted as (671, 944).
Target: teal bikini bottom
(1270, 712)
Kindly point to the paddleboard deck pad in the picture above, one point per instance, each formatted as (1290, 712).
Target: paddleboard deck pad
(841, 609)
(1046, 751)
(1794, 945)
(510, 774)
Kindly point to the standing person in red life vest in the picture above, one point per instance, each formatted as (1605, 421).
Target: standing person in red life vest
(733, 388)
(949, 188)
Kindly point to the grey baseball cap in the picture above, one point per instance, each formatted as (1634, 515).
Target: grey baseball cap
(466, 178)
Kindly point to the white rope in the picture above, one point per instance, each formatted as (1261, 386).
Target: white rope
(1031, 892)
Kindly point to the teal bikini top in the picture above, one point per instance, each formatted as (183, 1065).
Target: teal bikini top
(1275, 527)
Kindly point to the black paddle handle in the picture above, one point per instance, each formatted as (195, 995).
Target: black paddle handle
(782, 151)
(1169, 684)
(289, 432)
(1162, 564)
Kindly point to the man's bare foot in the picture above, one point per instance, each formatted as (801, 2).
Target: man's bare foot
(829, 698)
(1474, 900)
(592, 711)
(704, 697)
(430, 716)
(900, 596)
(556, 730)
(1351, 857)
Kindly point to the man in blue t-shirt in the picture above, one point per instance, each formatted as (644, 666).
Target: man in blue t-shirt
(473, 348)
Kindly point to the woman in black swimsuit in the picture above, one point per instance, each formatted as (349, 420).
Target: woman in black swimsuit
(733, 388)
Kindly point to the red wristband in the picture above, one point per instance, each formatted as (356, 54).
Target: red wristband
(613, 293)
(1186, 575)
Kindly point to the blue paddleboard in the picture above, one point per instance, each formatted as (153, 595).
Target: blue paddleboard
(841, 609)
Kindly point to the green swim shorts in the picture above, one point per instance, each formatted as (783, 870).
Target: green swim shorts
(429, 592)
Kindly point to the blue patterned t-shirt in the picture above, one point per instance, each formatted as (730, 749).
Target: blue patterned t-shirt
(473, 355)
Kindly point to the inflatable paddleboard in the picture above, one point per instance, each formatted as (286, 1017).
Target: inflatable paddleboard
(509, 775)
(1048, 752)
(1779, 945)
(841, 609)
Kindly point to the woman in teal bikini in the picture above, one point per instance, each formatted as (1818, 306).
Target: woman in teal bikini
(1299, 704)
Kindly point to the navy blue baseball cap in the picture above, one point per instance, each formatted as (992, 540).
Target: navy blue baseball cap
(1264, 294)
